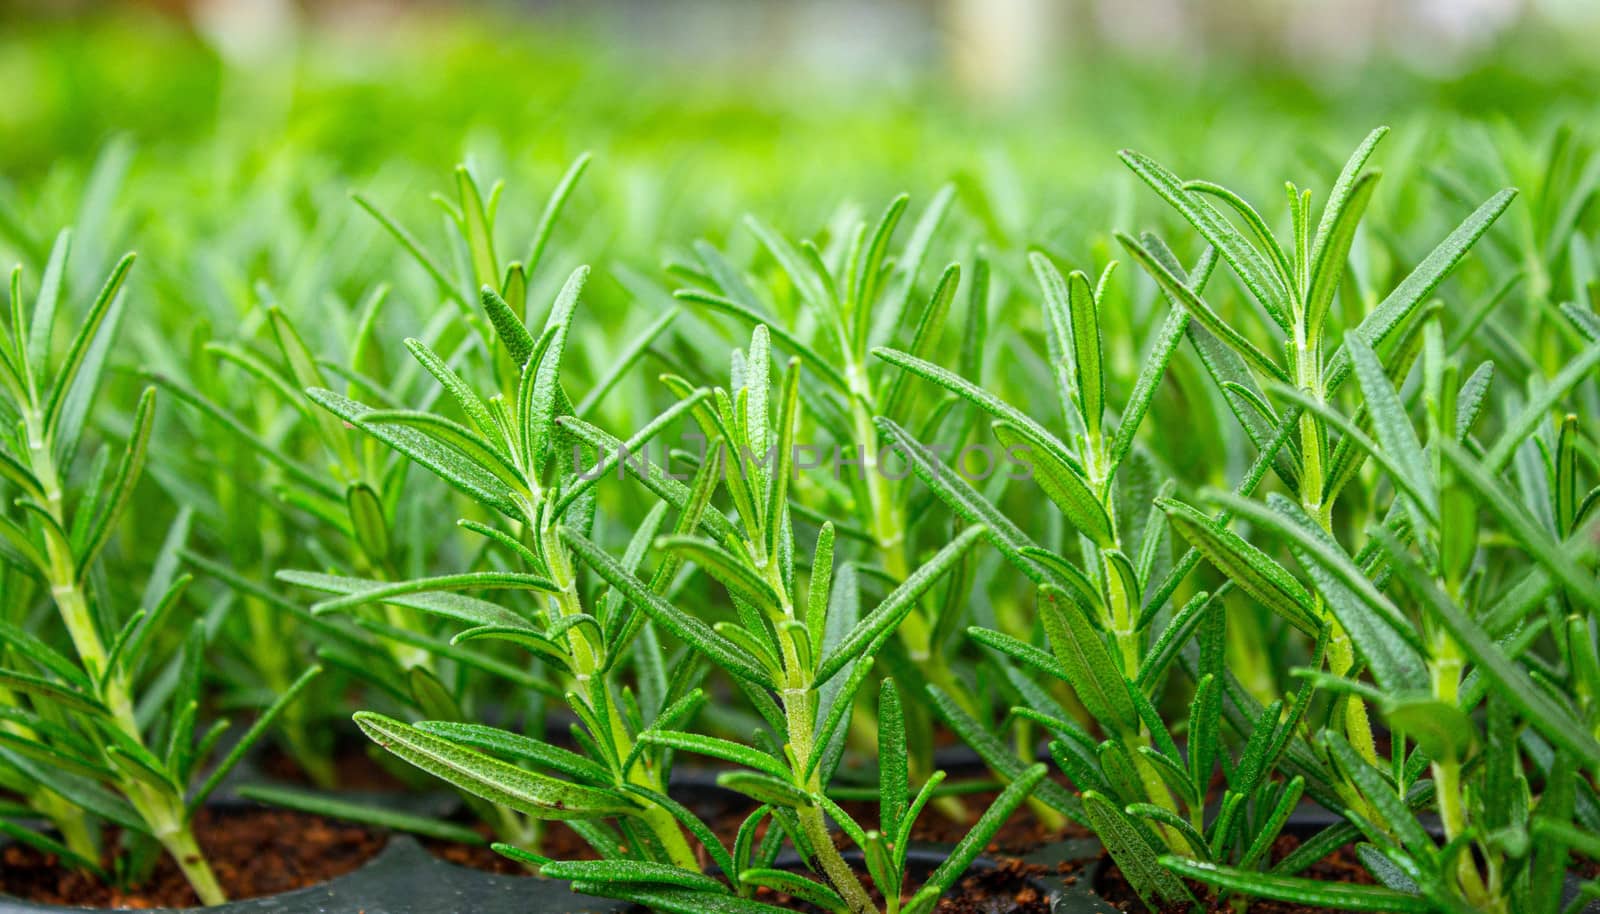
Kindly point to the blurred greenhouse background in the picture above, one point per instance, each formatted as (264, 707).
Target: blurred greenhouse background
(1003, 69)
(697, 112)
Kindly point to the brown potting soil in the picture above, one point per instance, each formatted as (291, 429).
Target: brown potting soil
(1342, 866)
(1008, 888)
(253, 852)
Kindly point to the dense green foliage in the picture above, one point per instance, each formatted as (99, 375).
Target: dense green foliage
(703, 447)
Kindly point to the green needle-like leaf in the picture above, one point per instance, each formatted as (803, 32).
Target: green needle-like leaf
(871, 632)
(1131, 849)
(1200, 311)
(1400, 304)
(1296, 890)
(536, 795)
(1263, 284)
(1247, 566)
(630, 871)
(894, 783)
(1090, 669)
(970, 846)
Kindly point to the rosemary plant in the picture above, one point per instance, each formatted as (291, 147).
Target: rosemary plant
(799, 660)
(515, 459)
(1295, 287)
(510, 461)
(1139, 791)
(1449, 634)
(837, 303)
(109, 734)
(400, 654)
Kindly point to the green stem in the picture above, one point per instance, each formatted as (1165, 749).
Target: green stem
(887, 525)
(162, 810)
(176, 835)
(1445, 670)
(1122, 609)
(591, 683)
(1341, 655)
(799, 706)
(1050, 818)
(69, 820)
(1122, 617)
(1156, 789)
(800, 699)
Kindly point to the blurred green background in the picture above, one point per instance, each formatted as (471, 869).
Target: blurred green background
(197, 132)
(221, 138)
(766, 103)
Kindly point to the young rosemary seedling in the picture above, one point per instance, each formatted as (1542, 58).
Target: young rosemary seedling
(80, 741)
(376, 532)
(855, 294)
(1139, 792)
(799, 658)
(510, 459)
(1447, 619)
(1294, 286)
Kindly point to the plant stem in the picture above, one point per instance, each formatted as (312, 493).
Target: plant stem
(70, 821)
(176, 835)
(591, 683)
(1445, 671)
(162, 810)
(888, 528)
(800, 714)
(1122, 614)
(1341, 655)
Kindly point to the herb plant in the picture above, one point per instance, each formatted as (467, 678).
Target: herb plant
(1441, 629)
(1450, 646)
(359, 520)
(1140, 793)
(108, 734)
(830, 306)
(525, 462)
(786, 651)
(510, 461)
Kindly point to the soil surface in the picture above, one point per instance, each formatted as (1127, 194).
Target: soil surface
(253, 852)
(1340, 866)
(1005, 889)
